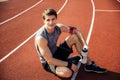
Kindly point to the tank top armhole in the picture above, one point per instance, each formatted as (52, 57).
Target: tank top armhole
(58, 29)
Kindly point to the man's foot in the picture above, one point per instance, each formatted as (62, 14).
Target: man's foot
(94, 68)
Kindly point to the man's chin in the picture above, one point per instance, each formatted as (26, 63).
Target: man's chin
(52, 26)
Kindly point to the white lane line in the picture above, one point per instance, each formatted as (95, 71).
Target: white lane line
(88, 37)
(75, 74)
(66, 1)
(118, 1)
(100, 10)
(11, 52)
(21, 13)
(92, 23)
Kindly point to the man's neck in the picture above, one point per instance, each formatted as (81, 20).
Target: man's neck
(49, 30)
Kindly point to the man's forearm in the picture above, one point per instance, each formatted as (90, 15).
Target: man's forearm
(57, 62)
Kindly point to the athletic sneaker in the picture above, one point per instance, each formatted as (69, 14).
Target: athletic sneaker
(94, 68)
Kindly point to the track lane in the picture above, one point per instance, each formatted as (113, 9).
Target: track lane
(7, 10)
(16, 66)
(27, 65)
(22, 12)
(15, 32)
(24, 50)
(107, 4)
(108, 41)
(107, 24)
(104, 43)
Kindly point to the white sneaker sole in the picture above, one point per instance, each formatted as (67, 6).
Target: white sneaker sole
(93, 71)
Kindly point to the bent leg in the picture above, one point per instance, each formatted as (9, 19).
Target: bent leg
(63, 72)
(75, 40)
(81, 38)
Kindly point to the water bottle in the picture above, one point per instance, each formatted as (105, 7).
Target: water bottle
(84, 54)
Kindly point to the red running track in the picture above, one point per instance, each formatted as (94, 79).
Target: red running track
(24, 63)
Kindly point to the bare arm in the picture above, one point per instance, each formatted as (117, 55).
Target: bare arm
(46, 53)
(65, 28)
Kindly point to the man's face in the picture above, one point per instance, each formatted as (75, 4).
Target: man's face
(50, 21)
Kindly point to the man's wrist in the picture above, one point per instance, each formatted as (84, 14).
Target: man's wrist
(69, 64)
(71, 29)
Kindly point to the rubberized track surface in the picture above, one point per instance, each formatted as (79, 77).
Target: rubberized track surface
(22, 62)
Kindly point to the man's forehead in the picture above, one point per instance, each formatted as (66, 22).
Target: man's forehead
(49, 16)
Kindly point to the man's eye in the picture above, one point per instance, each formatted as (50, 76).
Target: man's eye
(53, 19)
(48, 19)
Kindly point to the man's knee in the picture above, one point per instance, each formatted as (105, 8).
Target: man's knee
(74, 37)
(63, 72)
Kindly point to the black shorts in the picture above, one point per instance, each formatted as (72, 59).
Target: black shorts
(62, 53)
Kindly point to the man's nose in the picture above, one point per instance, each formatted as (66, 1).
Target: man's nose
(51, 21)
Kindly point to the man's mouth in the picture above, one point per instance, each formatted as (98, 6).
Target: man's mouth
(52, 25)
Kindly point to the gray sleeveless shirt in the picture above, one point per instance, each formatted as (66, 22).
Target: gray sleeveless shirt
(51, 38)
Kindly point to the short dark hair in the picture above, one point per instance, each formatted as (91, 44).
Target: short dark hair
(49, 12)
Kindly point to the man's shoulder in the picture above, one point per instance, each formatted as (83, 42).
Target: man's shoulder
(59, 24)
(40, 35)
(40, 32)
(41, 40)
(63, 27)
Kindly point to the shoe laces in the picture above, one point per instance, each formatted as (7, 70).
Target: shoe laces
(94, 64)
